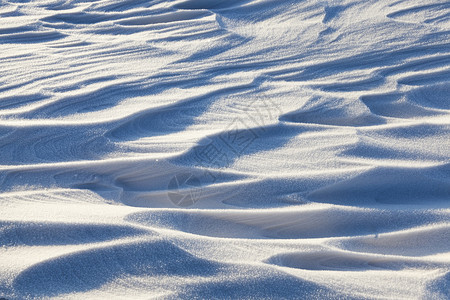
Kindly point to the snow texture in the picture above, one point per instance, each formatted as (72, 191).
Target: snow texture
(224, 149)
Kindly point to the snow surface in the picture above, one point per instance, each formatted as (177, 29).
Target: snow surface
(225, 149)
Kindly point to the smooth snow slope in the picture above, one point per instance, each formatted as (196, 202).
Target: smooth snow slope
(212, 149)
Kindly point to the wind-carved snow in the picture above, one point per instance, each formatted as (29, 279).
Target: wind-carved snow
(224, 149)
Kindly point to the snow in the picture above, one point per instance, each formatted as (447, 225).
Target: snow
(211, 149)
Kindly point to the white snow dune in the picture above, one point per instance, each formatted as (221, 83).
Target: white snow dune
(224, 149)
